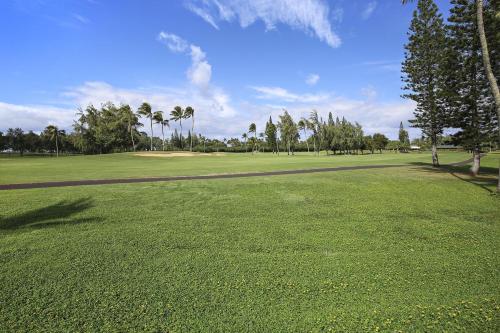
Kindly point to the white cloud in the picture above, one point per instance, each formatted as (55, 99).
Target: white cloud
(312, 79)
(34, 117)
(374, 116)
(200, 72)
(215, 114)
(281, 94)
(368, 10)
(204, 14)
(173, 42)
(310, 16)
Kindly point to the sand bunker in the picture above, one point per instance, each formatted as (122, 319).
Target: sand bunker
(176, 154)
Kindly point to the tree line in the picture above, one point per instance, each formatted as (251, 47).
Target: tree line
(447, 73)
(335, 136)
(113, 128)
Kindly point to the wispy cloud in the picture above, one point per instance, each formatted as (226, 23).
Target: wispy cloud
(310, 16)
(81, 19)
(368, 10)
(312, 79)
(281, 94)
(173, 42)
(386, 65)
(203, 13)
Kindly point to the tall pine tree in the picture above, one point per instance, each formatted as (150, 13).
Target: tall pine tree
(424, 72)
(469, 95)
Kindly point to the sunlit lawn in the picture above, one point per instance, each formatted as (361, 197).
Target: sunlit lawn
(410, 248)
(31, 169)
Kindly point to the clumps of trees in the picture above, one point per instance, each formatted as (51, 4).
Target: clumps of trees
(447, 73)
(337, 136)
(51, 140)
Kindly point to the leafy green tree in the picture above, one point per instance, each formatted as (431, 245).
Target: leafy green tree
(289, 131)
(132, 121)
(404, 138)
(146, 111)
(380, 141)
(315, 127)
(53, 133)
(424, 72)
(3, 141)
(271, 132)
(33, 142)
(368, 143)
(244, 136)
(470, 99)
(15, 140)
(302, 124)
(177, 114)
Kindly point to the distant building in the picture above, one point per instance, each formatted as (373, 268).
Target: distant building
(448, 147)
(413, 147)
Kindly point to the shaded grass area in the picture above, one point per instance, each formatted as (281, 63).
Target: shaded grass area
(128, 165)
(398, 249)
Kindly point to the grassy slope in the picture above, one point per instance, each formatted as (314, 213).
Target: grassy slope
(406, 248)
(33, 169)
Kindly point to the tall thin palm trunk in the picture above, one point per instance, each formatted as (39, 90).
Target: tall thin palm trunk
(180, 122)
(57, 147)
(151, 122)
(489, 71)
(163, 137)
(132, 137)
(192, 132)
(305, 136)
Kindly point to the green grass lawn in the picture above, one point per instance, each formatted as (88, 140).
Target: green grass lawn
(14, 169)
(411, 248)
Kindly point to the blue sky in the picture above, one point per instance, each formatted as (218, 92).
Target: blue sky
(235, 61)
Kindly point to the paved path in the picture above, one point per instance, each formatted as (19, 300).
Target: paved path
(217, 176)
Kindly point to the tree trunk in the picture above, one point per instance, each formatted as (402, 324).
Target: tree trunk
(314, 144)
(487, 65)
(151, 134)
(435, 160)
(192, 129)
(307, 143)
(476, 153)
(180, 122)
(132, 137)
(163, 137)
(57, 147)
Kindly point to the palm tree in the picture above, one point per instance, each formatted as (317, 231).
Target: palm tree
(253, 129)
(132, 122)
(178, 114)
(189, 113)
(302, 125)
(146, 111)
(314, 124)
(158, 118)
(53, 133)
(245, 137)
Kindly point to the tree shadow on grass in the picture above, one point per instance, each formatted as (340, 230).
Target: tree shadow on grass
(485, 180)
(57, 214)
